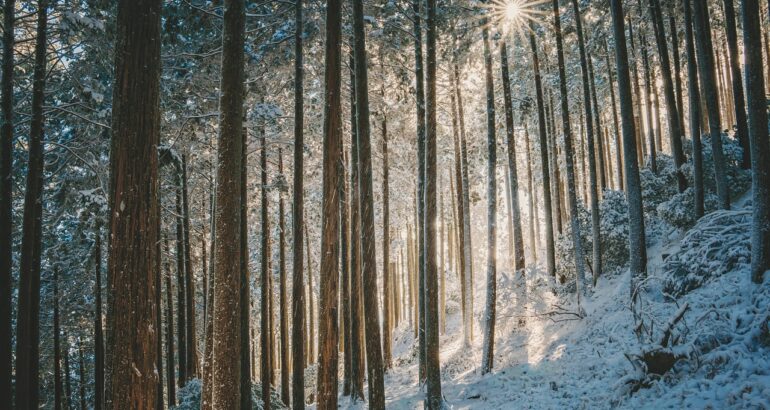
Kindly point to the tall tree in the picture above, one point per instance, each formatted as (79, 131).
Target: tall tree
(6, 200)
(568, 154)
(737, 81)
(189, 280)
(332, 132)
(672, 112)
(636, 240)
(374, 364)
(432, 366)
(58, 399)
(98, 330)
(695, 113)
(283, 291)
(245, 274)
(708, 82)
(550, 254)
(487, 357)
(132, 376)
(170, 382)
(181, 290)
(297, 215)
(226, 360)
(518, 237)
(28, 319)
(265, 333)
(387, 283)
(760, 149)
(589, 121)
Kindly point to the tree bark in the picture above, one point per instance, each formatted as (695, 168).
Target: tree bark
(386, 272)
(487, 358)
(131, 341)
(227, 344)
(28, 319)
(332, 131)
(189, 281)
(58, 398)
(98, 327)
(737, 81)
(283, 302)
(181, 289)
(297, 220)
(620, 183)
(760, 149)
(245, 276)
(265, 333)
(6, 201)
(170, 365)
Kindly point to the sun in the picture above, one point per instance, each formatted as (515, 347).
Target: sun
(512, 11)
(514, 16)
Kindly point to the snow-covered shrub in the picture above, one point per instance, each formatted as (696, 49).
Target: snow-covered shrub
(658, 187)
(613, 228)
(718, 243)
(738, 180)
(189, 397)
(678, 211)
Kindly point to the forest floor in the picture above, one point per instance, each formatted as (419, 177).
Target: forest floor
(547, 358)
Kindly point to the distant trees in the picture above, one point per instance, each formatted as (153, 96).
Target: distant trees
(134, 216)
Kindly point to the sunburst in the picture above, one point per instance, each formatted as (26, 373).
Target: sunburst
(515, 16)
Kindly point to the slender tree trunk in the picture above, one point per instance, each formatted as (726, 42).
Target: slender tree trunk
(284, 302)
(345, 272)
(67, 381)
(265, 341)
(432, 366)
(356, 320)
(760, 149)
(328, 326)
(674, 130)
(638, 125)
(737, 83)
(533, 220)
(651, 150)
(618, 145)
(297, 220)
(189, 280)
(28, 319)
(518, 237)
(568, 153)
(58, 387)
(135, 208)
(592, 174)
(310, 303)
(636, 237)
(675, 52)
(98, 327)
(464, 182)
(245, 274)
(487, 358)
(158, 326)
(170, 382)
(544, 161)
(374, 360)
(695, 114)
(181, 304)
(82, 368)
(602, 172)
(711, 95)
(6, 202)
(386, 272)
(227, 344)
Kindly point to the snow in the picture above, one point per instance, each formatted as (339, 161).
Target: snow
(546, 358)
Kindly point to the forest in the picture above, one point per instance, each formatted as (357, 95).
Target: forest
(401, 204)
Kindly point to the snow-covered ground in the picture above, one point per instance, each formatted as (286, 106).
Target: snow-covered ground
(546, 358)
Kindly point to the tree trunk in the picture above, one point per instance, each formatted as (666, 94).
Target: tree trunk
(158, 326)
(245, 276)
(58, 387)
(695, 114)
(432, 366)
(297, 220)
(386, 272)
(677, 66)
(189, 280)
(592, 189)
(544, 161)
(98, 329)
(28, 320)
(636, 237)
(82, 368)
(6, 202)
(458, 196)
(568, 153)
(265, 341)
(518, 237)
(487, 358)
(674, 130)
(284, 296)
(618, 145)
(651, 150)
(332, 132)
(345, 274)
(638, 125)
(170, 382)
(760, 150)
(356, 319)
(601, 174)
(67, 381)
(135, 215)
(227, 344)
(310, 303)
(737, 84)
(181, 289)
(711, 95)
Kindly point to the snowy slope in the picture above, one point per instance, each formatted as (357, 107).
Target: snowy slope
(546, 359)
